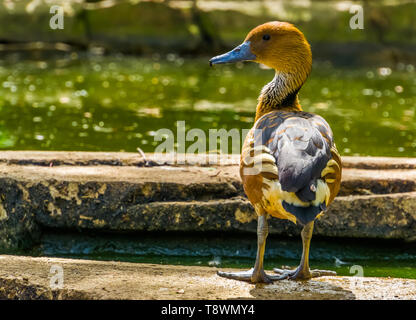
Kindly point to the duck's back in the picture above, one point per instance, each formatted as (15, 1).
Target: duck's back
(300, 169)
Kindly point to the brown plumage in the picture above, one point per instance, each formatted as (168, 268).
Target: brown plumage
(290, 166)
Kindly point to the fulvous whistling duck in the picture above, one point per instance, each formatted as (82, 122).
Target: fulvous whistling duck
(289, 165)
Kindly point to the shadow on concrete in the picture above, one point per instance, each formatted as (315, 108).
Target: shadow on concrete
(300, 290)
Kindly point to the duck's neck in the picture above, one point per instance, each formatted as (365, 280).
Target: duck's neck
(279, 94)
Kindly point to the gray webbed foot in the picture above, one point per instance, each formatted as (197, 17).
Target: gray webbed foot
(251, 276)
(302, 273)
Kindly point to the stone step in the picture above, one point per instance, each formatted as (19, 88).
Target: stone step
(198, 179)
(378, 216)
(122, 192)
(81, 158)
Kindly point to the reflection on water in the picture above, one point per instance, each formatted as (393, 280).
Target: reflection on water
(118, 103)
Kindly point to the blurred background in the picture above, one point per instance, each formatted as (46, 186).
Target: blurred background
(121, 70)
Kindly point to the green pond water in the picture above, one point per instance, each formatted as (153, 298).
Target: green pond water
(117, 103)
(379, 259)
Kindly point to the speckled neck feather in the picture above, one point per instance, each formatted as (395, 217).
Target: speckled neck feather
(279, 94)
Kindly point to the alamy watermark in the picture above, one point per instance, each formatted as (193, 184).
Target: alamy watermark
(357, 278)
(182, 146)
(357, 20)
(57, 20)
(57, 277)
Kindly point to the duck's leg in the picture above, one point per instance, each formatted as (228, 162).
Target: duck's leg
(303, 272)
(256, 274)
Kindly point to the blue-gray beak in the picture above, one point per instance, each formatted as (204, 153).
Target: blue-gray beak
(240, 53)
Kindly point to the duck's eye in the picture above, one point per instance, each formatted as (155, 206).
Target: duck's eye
(266, 37)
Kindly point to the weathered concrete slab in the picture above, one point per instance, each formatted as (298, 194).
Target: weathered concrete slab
(124, 192)
(45, 158)
(29, 278)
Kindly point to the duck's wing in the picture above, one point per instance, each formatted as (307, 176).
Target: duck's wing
(305, 156)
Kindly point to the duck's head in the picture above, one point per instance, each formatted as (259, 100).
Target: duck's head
(278, 45)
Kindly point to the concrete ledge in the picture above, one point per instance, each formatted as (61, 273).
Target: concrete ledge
(29, 278)
(123, 192)
(45, 158)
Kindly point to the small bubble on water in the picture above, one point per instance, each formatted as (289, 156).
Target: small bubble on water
(368, 92)
(171, 57)
(398, 89)
(240, 65)
(384, 71)
(64, 99)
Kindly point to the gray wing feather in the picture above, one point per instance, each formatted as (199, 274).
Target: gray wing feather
(300, 143)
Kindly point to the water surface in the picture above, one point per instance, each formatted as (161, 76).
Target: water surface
(117, 103)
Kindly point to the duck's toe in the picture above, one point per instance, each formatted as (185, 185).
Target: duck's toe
(252, 275)
(302, 273)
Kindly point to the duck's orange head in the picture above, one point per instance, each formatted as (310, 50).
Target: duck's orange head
(278, 45)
